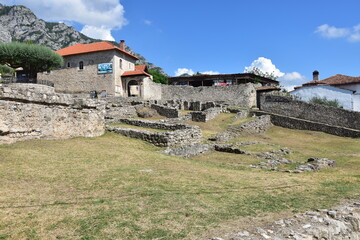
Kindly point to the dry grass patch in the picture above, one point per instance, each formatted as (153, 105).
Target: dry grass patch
(113, 187)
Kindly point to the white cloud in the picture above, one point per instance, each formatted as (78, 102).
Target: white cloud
(103, 15)
(148, 22)
(102, 32)
(355, 35)
(294, 76)
(287, 80)
(265, 65)
(181, 71)
(351, 34)
(332, 32)
(210, 72)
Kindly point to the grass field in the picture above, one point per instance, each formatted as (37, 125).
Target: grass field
(113, 187)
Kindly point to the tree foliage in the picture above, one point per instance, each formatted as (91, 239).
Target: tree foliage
(31, 57)
(259, 72)
(325, 101)
(6, 70)
(158, 77)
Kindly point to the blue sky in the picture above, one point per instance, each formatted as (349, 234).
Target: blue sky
(289, 37)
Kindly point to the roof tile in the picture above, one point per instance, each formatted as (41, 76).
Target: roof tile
(92, 47)
(139, 70)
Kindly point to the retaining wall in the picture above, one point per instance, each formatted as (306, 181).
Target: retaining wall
(243, 95)
(30, 111)
(313, 112)
(204, 116)
(301, 124)
(179, 134)
(168, 112)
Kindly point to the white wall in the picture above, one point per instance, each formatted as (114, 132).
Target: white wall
(356, 102)
(151, 90)
(353, 87)
(345, 97)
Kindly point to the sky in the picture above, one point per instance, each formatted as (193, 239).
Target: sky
(289, 38)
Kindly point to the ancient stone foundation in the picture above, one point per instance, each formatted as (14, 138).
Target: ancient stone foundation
(30, 111)
(168, 112)
(204, 116)
(178, 134)
(332, 116)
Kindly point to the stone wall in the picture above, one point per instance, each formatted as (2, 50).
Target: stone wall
(301, 124)
(204, 116)
(178, 134)
(313, 112)
(243, 95)
(30, 111)
(151, 90)
(168, 112)
(338, 223)
(257, 125)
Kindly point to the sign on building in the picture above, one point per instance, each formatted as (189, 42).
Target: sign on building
(105, 68)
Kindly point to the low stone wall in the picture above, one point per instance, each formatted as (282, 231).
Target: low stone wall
(301, 124)
(243, 95)
(338, 223)
(258, 125)
(178, 135)
(166, 111)
(30, 111)
(115, 113)
(206, 115)
(286, 106)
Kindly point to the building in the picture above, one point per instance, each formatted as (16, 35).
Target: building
(101, 67)
(221, 79)
(344, 89)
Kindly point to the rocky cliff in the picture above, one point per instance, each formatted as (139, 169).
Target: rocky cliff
(18, 23)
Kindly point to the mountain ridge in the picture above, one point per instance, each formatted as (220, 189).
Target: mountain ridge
(19, 23)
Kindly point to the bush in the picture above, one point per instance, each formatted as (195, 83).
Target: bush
(325, 101)
(158, 77)
(6, 70)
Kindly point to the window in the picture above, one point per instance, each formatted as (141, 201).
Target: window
(121, 63)
(68, 64)
(81, 65)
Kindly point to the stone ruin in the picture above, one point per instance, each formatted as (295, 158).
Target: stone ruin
(338, 223)
(30, 111)
(176, 134)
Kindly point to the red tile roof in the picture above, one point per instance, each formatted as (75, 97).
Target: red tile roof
(139, 70)
(340, 79)
(337, 79)
(92, 47)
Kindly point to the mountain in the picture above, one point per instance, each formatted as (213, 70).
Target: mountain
(18, 23)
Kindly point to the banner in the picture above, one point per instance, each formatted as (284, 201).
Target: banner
(105, 68)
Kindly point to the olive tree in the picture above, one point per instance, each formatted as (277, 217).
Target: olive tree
(31, 57)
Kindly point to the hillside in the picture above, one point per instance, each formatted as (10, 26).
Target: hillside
(18, 23)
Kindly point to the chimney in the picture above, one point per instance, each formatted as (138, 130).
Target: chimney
(316, 75)
(122, 45)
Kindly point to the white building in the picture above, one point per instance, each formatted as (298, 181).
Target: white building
(344, 89)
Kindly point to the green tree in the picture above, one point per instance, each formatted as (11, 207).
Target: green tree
(158, 77)
(6, 70)
(31, 57)
(259, 72)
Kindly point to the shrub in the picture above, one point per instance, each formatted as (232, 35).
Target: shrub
(325, 101)
(158, 77)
